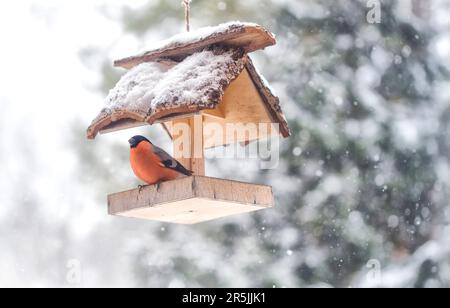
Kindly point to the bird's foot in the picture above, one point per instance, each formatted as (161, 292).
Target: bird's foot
(141, 187)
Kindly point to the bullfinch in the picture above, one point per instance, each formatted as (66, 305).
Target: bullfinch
(152, 164)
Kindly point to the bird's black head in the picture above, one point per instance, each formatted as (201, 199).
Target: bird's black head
(134, 141)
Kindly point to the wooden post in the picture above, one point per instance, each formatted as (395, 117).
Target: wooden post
(188, 143)
(197, 148)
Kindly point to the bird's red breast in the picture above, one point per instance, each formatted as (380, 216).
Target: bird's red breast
(147, 165)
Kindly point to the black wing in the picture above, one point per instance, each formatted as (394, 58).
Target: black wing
(170, 162)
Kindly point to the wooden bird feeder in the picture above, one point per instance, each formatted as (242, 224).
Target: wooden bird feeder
(195, 80)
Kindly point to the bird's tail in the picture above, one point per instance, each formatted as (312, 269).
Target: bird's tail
(180, 168)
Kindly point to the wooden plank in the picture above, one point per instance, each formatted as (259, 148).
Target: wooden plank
(177, 117)
(214, 113)
(115, 120)
(188, 143)
(121, 125)
(197, 149)
(191, 200)
(181, 131)
(179, 189)
(191, 211)
(271, 101)
(248, 37)
(226, 190)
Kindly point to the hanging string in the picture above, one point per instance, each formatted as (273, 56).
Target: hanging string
(187, 13)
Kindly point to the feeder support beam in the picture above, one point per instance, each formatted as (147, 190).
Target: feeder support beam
(188, 143)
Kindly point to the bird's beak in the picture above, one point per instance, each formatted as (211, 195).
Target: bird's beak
(131, 141)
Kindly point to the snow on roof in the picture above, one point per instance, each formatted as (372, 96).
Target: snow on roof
(200, 79)
(135, 90)
(197, 35)
(245, 35)
(152, 90)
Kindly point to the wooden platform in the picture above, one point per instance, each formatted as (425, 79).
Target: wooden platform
(191, 200)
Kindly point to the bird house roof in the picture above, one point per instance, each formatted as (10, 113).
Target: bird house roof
(248, 36)
(188, 74)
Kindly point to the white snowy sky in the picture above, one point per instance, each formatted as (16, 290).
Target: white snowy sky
(44, 89)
